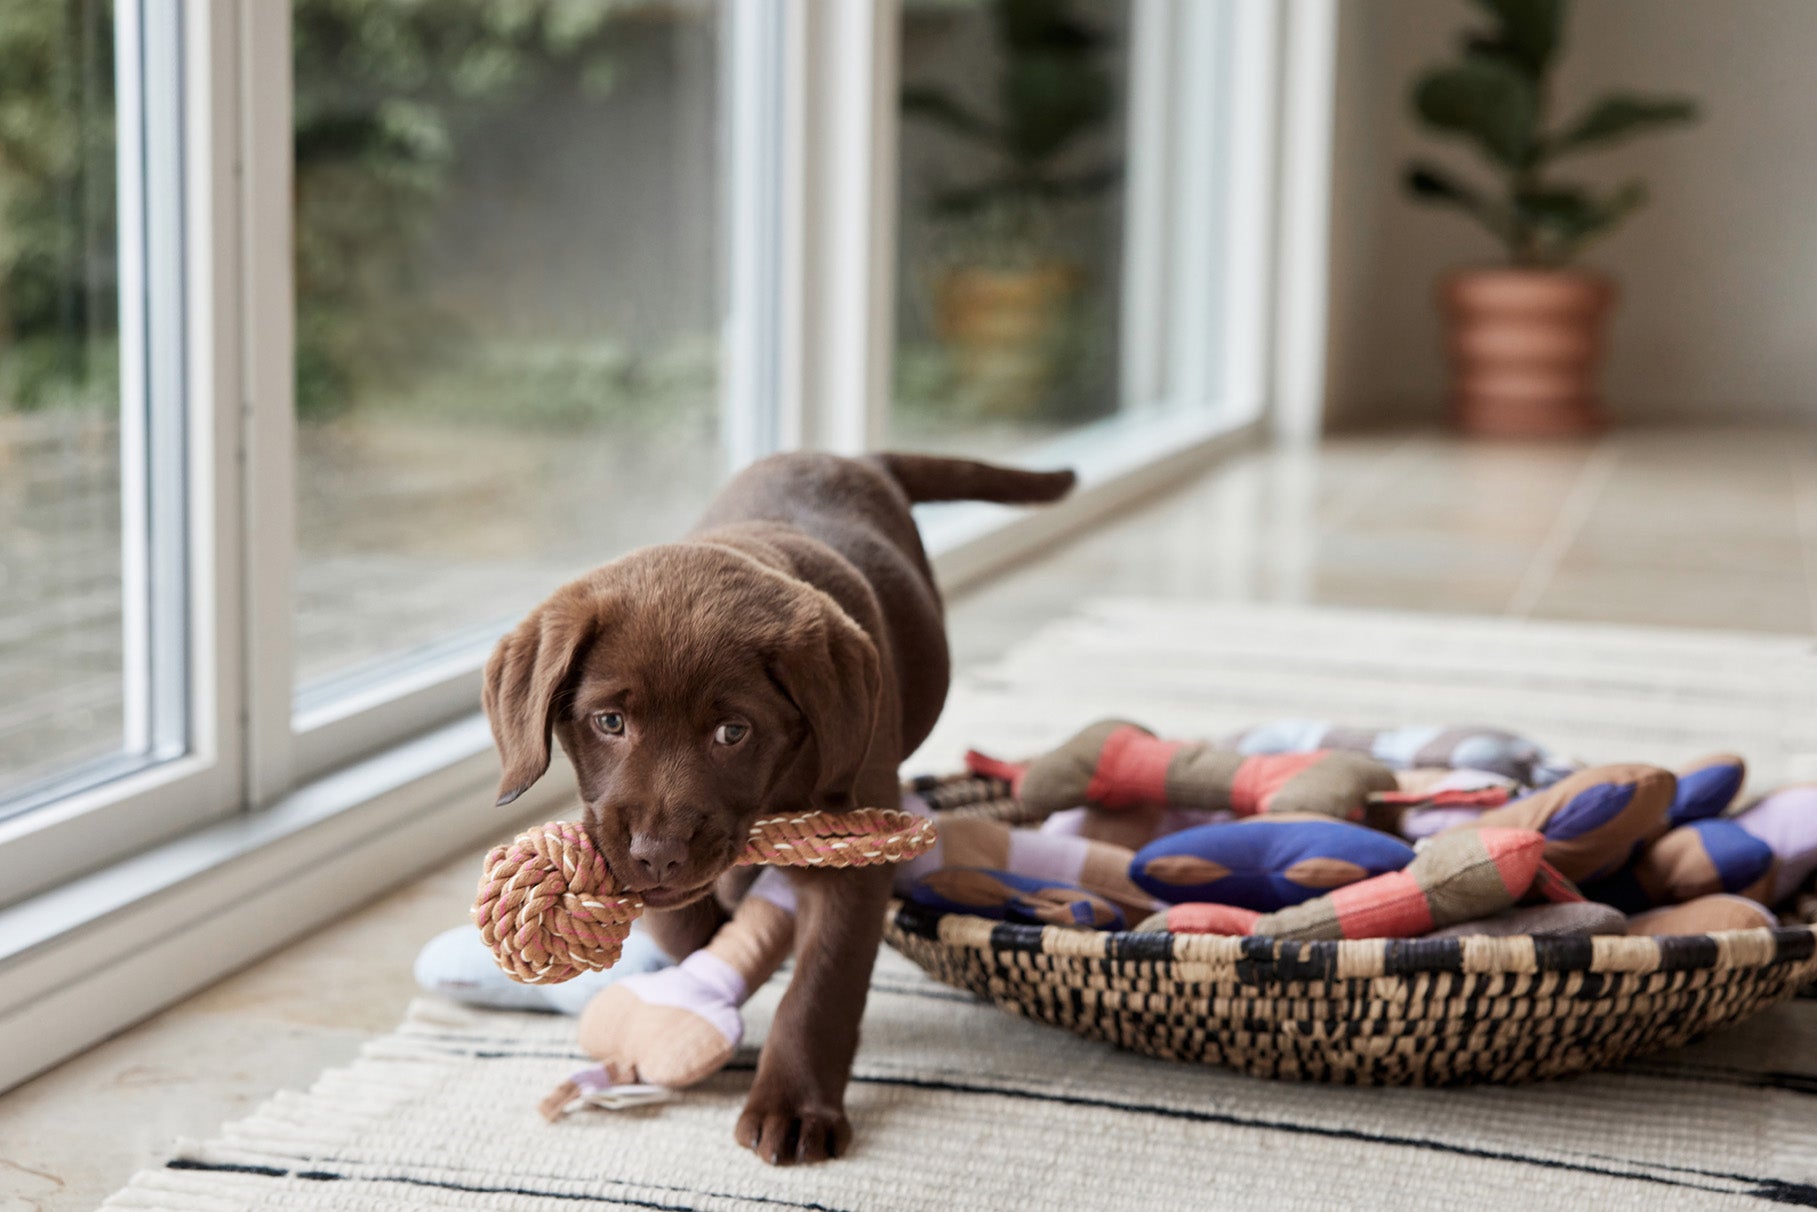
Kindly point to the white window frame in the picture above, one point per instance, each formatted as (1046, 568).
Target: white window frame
(180, 509)
(276, 820)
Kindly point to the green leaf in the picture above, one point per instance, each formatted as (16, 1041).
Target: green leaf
(1048, 101)
(1483, 100)
(1621, 116)
(1433, 185)
(963, 201)
(1528, 36)
(1043, 25)
(1569, 216)
(1075, 186)
(939, 108)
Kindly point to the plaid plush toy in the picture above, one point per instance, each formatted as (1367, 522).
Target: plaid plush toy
(1766, 852)
(1097, 869)
(1468, 747)
(1786, 820)
(1134, 778)
(1707, 787)
(1694, 860)
(1009, 897)
(1458, 877)
(1593, 820)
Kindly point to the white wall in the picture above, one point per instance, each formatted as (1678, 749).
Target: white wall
(1719, 271)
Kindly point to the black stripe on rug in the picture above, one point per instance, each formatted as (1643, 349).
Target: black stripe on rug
(1775, 1190)
(318, 1175)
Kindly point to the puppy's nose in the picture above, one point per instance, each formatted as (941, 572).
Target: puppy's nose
(657, 857)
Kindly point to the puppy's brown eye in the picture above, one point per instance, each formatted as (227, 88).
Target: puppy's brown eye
(612, 723)
(730, 734)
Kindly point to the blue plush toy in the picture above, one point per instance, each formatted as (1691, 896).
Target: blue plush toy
(1707, 787)
(1694, 860)
(1264, 864)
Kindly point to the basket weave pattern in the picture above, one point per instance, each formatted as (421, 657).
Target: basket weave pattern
(1368, 1012)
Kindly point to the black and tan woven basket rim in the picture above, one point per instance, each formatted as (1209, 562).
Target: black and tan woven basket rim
(1257, 959)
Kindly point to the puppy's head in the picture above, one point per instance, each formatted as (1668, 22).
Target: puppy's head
(694, 690)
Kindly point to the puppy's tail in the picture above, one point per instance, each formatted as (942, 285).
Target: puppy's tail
(933, 478)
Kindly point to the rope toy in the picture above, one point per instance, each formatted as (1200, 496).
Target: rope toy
(549, 909)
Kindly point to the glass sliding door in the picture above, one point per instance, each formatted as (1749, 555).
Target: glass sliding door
(309, 386)
(91, 465)
(509, 302)
(1011, 185)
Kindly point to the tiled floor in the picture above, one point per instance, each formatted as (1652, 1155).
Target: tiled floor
(1702, 528)
(1675, 527)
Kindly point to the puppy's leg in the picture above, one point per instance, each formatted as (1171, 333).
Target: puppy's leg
(685, 929)
(796, 1108)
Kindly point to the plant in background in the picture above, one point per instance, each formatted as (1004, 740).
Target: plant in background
(1006, 300)
(1526, 341)
(1497, 97)
(1053, 92)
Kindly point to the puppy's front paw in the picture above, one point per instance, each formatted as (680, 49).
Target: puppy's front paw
(783, 1130)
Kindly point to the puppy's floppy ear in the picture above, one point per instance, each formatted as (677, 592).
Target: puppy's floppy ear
(830, 668)
(524, 677)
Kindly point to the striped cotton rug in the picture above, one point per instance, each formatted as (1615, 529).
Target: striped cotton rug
(959, 1106)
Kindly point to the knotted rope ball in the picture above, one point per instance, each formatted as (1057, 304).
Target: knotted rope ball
(549, 909)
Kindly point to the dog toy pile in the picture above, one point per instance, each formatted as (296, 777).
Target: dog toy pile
(1310, 830)
(1377, 834)
(549, 909)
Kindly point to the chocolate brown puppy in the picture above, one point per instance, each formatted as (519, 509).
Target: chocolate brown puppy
(786, 655)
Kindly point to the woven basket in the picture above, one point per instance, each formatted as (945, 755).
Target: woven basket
(1371, 1012)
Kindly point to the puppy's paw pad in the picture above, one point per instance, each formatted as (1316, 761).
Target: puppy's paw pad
(803, 1135)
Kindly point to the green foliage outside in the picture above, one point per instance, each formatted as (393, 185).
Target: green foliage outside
(1496, 97)
(386, 92)
(57, 310)
(1053, 92)
(1018, 206)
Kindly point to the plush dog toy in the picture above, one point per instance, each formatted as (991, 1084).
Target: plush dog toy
(1707, 787)
(1593, 820)
(1264, 863)
(1466, 747)
(1705, 915)
(1458, 877)
(1135, 786)
(1009, 897)
(1765, 852)
(1786, 820)
(1702, 858)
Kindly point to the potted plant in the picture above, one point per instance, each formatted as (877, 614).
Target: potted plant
(1525, 339)
(1002, 298)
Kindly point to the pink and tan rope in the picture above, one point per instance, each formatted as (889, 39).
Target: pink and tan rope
(549, 909)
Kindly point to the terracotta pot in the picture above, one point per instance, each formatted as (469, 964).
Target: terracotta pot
(1003, 327)
(1526, 349)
